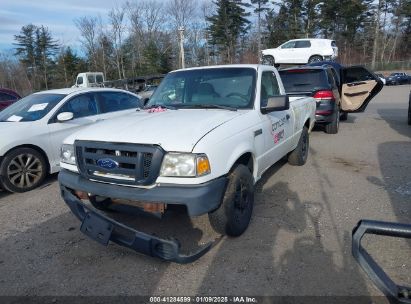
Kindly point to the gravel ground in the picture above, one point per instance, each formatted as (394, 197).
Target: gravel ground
(298, 242)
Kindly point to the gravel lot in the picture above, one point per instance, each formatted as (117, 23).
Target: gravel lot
(297, 244)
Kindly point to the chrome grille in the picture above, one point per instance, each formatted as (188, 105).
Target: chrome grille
(131, 163)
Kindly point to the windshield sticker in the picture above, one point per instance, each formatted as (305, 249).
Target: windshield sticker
(38, 107)
(156, 110)
(14, 118)
(278, 136)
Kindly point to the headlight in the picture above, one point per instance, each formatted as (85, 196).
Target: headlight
(67, 154)
(185, 165)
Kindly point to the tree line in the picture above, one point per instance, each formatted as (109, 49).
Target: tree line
(142, 37)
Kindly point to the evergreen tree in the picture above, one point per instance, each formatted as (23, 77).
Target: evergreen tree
(46, 47)
(226, 26)
(26, 50)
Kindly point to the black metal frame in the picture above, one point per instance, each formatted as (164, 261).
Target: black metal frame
(103, 229)
(394, 293)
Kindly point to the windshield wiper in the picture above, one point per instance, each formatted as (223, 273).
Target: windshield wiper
(209, 106)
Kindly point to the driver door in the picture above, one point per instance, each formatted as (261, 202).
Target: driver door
(278, 126)
(359, 86)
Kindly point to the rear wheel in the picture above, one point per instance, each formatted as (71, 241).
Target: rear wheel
(344, 116)
(234, 214)
(315, 58)
(332, 127)
(298, 157)
(22, 170)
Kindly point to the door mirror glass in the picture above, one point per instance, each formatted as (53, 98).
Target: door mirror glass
(65, 116)
(276, 103)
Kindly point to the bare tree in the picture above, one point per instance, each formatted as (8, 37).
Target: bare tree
(88, 31)
(116, 17)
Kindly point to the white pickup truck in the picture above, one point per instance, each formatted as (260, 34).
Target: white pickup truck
(205, 138)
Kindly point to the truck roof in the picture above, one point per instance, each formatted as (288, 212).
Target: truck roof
(253, 66)
(67, 91)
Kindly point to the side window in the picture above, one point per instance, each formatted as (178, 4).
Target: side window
(91, 79)
(336, 77)
(81, 106)
(80, 80)
(6, 97)
(99, 78)
(288, 45)
(302, 44)
(355, 74)
(269, 87)
(112, 102)
(331, 79)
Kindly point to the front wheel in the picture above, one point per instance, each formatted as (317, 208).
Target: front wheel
(234, 214)
(298, 157)
(22, 170)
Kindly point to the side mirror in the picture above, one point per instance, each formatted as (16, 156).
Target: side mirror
(65, 116)
(277, 103)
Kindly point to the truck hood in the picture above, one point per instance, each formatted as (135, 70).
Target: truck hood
(174, 130)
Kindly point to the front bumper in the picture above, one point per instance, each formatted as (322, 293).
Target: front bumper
(199, 199)
(103, 229)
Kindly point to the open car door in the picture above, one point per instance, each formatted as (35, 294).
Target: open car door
(359, 86)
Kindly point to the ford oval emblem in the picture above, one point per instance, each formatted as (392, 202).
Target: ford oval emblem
(107, 163)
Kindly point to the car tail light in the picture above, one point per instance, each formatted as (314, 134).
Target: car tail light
(324, 95)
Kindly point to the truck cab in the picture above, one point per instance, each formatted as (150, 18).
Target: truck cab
(89, 80)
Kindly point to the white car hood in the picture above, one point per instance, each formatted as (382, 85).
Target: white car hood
(173, 130)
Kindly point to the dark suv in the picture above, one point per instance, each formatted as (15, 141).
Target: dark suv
(7, 97)
(322, 83)
(398, 78)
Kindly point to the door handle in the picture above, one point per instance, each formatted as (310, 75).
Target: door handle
(258, 132)
(288, 116)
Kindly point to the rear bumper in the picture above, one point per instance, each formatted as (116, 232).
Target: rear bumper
(199, 199)
(103, 229)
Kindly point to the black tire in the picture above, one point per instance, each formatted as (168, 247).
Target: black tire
(268, 60)
(298, 157)
(101, 203)
(22, 170)
(234, 214)
(332, 127)
(343, 116)
(315, 58)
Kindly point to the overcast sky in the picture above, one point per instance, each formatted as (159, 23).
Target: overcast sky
(57, 15)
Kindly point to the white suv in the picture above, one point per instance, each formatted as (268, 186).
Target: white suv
(301, 51)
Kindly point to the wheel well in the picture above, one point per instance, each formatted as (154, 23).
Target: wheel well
(38, 149)
(307, 124)
(247, 160)
(316, 56)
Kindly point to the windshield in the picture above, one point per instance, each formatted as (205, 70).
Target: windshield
(31, 108)
(304, 80)
(230, 87)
